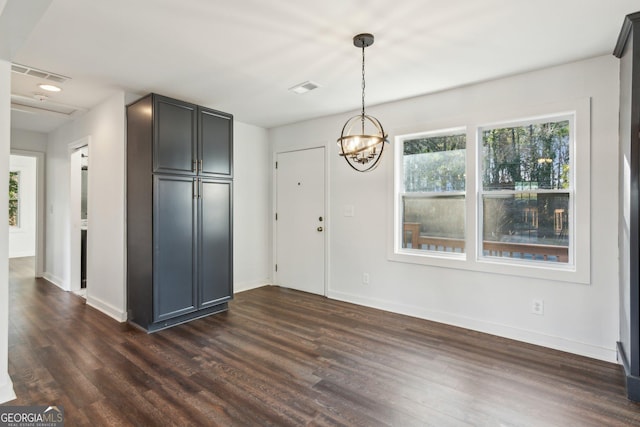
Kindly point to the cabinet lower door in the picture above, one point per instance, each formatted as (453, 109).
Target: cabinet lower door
(174, 231)
(216, 263)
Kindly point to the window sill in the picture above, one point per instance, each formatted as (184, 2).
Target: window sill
(559, 272)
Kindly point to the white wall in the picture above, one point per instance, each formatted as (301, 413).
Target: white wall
(105, 124)
(28, 140)
(578, 318)
(106, 282)
(251, 207)
(56, 215)
(6, 386)
(22, 239)
(17, 19)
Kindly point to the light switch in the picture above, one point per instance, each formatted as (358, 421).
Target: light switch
(349, 210)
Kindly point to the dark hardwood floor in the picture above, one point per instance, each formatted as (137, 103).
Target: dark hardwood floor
(286, 358)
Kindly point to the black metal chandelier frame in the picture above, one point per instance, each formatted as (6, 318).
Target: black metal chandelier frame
(362, 151)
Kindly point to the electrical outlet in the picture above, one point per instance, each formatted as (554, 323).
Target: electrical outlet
(537, 307)
(365, 278)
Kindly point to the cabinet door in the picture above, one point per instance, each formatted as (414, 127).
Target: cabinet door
(216, 250)
(215, 143)
(174, 249)
(175, 133)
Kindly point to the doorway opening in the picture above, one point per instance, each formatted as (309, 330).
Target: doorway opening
(26, 209)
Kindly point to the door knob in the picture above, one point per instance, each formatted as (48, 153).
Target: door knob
(319, 228)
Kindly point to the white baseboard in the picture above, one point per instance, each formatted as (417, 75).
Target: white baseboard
(55, 280)
(6, 389)
(106, 308)
(531, 337)
(247, 286)
(96, 303)
(22, 254)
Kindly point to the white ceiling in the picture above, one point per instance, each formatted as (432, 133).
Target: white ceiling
(241, 56)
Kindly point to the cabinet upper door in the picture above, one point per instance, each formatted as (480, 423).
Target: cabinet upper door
(216, 143)
(175, 135)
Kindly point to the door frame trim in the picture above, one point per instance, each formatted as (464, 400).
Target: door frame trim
(74, 279)
(327, 206)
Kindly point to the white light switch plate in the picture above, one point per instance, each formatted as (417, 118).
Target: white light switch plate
(349, 210)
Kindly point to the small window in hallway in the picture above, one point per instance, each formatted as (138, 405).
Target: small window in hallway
(14, 199)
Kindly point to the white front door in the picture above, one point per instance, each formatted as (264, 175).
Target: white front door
(300, 223)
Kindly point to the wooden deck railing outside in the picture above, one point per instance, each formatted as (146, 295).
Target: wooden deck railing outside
(500, 249)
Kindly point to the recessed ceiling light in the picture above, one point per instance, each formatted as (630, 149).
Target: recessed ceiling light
(304, 87)
(50, 88)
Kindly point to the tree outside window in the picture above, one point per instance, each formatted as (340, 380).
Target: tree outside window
(14, 200)
(526, 190)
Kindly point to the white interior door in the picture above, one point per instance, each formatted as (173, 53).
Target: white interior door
(300, 224)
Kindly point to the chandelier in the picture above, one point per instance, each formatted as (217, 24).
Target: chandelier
(362, 139)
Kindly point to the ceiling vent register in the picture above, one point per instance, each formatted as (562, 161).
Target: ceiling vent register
(41, 74)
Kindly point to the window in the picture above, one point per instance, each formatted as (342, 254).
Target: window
(14, 199)
(433, 191)
(527, 193)
(496, 192)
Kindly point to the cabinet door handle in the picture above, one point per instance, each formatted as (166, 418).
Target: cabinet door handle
(199, 189)
(195, 189)
(194, 166)
(200, 165)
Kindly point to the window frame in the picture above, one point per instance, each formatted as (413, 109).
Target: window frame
(400, 193)
(571, 118)
(578, 270)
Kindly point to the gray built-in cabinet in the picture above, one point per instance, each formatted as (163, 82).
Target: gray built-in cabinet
(179, 211)
(628, 50)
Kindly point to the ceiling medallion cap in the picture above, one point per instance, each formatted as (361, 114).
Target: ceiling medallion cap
(363, 40)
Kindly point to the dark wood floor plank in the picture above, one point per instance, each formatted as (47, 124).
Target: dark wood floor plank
(174, 408)
(285, 358)
(118, 390)
(75, 384)
(105, 413)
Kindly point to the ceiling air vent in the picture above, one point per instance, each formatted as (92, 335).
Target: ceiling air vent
(40, 104)
(304, 87)
(41, 74)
